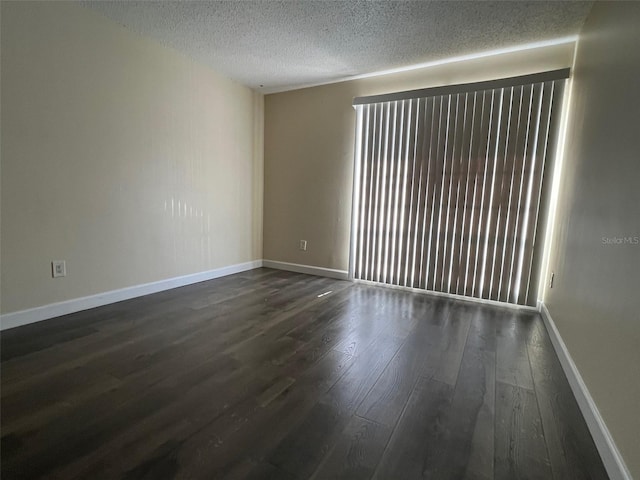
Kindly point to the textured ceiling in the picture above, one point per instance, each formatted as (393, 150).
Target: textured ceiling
(280, 45)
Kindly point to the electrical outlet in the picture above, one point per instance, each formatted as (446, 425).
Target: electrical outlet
(59, 268)
(303, 245)
(553, 275)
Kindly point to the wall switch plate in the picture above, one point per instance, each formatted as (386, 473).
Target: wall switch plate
(553, 275)
(59, 268)
(303, 245)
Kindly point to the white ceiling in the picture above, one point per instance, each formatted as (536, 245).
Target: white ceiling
(280, 45)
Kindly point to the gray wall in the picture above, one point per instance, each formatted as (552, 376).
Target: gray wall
(595, 300)
(122, 157)
(309, 144)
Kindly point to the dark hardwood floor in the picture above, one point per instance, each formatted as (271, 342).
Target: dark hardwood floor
(276, 375)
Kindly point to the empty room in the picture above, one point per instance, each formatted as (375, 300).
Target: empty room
(310, 239)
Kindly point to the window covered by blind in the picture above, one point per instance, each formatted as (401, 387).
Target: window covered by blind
(449, 184)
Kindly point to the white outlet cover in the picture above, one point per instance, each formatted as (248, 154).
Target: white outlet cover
(58, 268)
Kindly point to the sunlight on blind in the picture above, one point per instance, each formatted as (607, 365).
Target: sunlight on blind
(448, 189)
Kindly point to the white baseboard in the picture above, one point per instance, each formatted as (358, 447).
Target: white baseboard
(309, 269)
(32, 315)
(613, 462)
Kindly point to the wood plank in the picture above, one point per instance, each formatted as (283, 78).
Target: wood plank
(415, 441)
(481, 345)
(249, 469)
(419, 356)
(276, 389)
(453, 341)
(520, 449)
(17, 347)
(572, 452)
(215, 431)
(356, 452)
(303, 449)
(72, 375)
(265, 471)
(466, 449)
(380, 314)
(512, 358)
(248, 428)
(152, 327)
(255, 376)
(99, 423)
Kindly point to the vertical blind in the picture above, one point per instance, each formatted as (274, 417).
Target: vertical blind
(449, 186)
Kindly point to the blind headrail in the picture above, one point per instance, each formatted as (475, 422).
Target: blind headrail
(465, 87)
